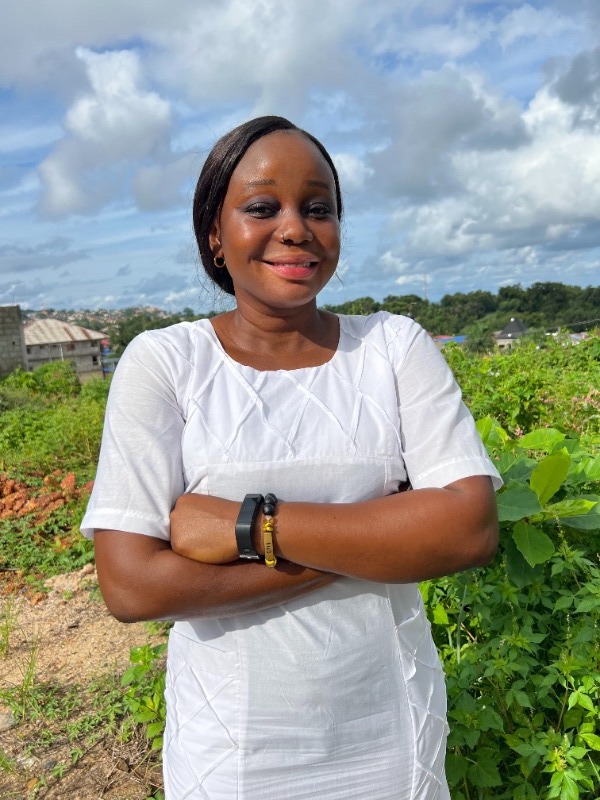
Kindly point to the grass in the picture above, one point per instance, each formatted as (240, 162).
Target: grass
(8, 623)
(59, 725)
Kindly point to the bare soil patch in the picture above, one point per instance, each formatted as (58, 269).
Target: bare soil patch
(65, 644)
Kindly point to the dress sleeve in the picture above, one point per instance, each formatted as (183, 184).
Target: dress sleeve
(140, 473)
(440, 443)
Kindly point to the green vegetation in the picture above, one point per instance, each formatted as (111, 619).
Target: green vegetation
(529, 386)
(542, 306)
(519, 640)
(74, 721)
(49, 421)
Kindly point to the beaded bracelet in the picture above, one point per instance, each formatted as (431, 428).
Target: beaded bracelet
(268, 526)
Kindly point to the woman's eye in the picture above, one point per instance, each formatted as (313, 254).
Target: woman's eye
(319, 210)
(261, 210)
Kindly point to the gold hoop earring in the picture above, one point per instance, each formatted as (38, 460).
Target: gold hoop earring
(219, 262)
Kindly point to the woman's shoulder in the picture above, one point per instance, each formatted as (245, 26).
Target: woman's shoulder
(179, 340)
(380, 325)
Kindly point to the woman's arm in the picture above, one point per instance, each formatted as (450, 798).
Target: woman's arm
(141, 578)
(406, 537)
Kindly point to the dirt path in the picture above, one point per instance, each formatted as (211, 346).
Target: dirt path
(65, 639)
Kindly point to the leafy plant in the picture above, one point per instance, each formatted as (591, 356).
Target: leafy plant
(528, 387)
(520, 640)
(34, 550)
(145, 682)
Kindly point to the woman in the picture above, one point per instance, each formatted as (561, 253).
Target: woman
(316, 678)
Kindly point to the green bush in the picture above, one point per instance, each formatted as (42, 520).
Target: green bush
(38, 551)
(520, 640)
(528, 386)
(55, 379)
(63, 436)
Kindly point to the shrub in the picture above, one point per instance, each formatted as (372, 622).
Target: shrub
(520, 640)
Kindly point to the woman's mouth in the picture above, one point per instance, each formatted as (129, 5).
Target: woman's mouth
(290, 268)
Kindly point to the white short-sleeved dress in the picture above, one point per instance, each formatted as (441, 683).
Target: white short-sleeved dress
(339, 694)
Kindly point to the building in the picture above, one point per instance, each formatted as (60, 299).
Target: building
(12, 341)
(506, 338)
(52, 340)
(443, 339)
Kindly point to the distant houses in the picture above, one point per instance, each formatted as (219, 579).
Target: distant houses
(52, 340)
(506, 338)
(12, 340)
(442, 340)
(43, 340)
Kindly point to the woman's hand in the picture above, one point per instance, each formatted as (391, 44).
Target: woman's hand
(203, 528)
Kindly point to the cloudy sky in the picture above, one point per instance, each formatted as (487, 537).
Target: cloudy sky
(466, 135)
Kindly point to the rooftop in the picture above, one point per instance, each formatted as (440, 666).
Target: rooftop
(54, 331)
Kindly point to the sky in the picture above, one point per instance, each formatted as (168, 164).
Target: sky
(466, 135)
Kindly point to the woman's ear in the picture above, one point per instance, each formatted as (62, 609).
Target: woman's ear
(214, 237)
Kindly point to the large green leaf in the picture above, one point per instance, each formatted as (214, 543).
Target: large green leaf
(571, 507)
(592, 469)
(491, 431)
(517, 569)
(519, 470)
(541, 439)
(516, 502)
(585, 522)
(592, 740)
(484, 772)
(456, 768)
(547, 478)
(533, 543)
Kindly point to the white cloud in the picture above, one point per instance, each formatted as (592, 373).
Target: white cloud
(272, 55)
(430, 120)
(50, 254)
(454, 159)
(15, 139)
(38, 39)
(114, 122)
(528, 22)
(450, 40)
(160, 185)
(352, 171)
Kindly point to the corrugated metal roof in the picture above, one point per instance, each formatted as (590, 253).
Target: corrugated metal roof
(54, 331)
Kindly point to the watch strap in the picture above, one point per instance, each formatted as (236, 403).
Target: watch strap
(244, 524)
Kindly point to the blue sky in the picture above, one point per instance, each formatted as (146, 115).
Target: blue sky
(466, 136)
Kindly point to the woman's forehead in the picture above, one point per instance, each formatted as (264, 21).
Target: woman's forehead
(279, 153)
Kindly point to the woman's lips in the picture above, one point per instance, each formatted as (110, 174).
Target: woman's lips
(292, 268)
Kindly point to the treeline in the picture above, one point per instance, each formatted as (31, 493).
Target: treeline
(543, 306)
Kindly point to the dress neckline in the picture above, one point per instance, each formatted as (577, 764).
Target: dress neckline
(219, 346)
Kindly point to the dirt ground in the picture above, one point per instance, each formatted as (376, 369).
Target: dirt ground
(70, 638)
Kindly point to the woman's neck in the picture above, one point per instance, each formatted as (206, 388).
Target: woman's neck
(300, 338)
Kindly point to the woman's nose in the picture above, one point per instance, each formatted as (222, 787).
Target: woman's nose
(294, 229)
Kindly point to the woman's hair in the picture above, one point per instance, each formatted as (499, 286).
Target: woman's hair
(216, 174)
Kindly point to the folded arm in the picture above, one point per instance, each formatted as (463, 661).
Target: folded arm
(141, 578)
(404, 537)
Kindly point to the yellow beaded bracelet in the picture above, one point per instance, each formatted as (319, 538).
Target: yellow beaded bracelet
(268, 526)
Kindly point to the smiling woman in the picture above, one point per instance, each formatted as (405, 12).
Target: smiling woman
(252, 487)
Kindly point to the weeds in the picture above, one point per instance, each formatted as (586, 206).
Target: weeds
(8, 623)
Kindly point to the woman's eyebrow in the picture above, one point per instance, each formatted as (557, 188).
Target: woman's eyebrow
(271, 182)
(321, 184)
(261, 182)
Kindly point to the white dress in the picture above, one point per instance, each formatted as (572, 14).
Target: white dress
(339, 694)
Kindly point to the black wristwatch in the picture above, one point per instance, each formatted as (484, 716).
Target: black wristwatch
(243, 526)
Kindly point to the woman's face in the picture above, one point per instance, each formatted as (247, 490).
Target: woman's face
(278, 228)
